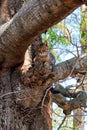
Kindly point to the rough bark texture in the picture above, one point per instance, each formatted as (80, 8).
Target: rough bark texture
(33, 18)
(14, 111)
(24, 96)
(20, 107)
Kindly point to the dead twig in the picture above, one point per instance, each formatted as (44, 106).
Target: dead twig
(62, 123)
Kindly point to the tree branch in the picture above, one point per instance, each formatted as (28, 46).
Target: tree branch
(70, 68)
(68, 106)
(48, 74)
(31, 20)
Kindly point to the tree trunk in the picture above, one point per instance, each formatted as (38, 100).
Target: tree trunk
(14, 116)
(21, 107)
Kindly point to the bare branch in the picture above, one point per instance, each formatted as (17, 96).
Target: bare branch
(62, 123)
(68, 106)
(70, 68)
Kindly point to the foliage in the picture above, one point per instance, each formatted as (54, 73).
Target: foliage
(55, 36)
(83, 28)
(58, 117)
(61, 35)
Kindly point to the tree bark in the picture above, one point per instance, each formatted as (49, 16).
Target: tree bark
(14, 115)
(24, 105)
(31, 20)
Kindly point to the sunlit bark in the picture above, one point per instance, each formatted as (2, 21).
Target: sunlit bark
(24, 101)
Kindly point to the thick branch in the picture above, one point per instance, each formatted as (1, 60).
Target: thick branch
(68, 106)
(32, 19)
(70, 68)
(48, 73)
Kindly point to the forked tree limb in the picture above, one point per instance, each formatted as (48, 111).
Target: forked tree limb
(31, 20)
(68, 68)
